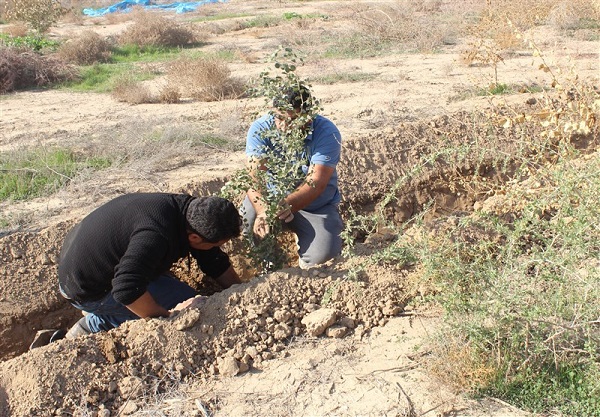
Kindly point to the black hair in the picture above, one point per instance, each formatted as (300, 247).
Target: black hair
(297, 97)
(213, 218)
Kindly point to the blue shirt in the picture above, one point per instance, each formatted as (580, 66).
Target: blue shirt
(322, 147)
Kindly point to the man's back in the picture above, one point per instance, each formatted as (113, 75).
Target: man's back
(122, 245)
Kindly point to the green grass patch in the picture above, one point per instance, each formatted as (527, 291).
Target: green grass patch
(100, 78)
(193, 138)
(571, 389)
(500, 88)
(210, 140)
(495, 89)
(135, 53)
(220, 16)
(4, 223)
(344, 77)
(519, 283)
(36, 43)
(354, 46)
(262, 21)
(587, 23)
(227, 55)
(525, 292)
(294, 15)
(29, 174)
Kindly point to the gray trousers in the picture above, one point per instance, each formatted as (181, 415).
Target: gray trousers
(318, 232)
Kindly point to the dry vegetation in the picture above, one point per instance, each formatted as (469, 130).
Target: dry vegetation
(152, 29)
(20, 69)
(85, 49)
(38, 14)
(129, 90)
(206, 79)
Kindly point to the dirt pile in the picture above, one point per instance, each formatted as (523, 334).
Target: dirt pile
(234, 331)
(29, 300)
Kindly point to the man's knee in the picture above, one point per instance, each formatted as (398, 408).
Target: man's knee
(316, 256)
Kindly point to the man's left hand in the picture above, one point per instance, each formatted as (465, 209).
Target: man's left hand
(285, 213)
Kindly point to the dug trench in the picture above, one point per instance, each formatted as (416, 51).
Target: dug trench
(370, 168)
(247, 324)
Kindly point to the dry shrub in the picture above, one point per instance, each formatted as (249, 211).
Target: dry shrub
(128, 90)
(526, 14)
(169, 95)
(86, 49)
(73, 16)
(206, 79)
(491, 37)
(221, 27)
(233, 124)
(456, 364)
(16, 29)
(121, 17)
(568, 15)
(429, 5)
(152, 29)
(38, 14)
(411, 25)
(23, 68)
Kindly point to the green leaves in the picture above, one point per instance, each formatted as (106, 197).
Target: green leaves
(284, 159)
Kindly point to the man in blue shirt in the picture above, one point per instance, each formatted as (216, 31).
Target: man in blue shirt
(311, 210)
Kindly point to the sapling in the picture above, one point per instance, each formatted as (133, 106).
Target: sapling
(284, 164)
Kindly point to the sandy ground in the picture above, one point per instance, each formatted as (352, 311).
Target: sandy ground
(181, 366)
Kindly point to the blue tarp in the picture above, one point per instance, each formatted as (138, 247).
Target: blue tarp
(125, 5)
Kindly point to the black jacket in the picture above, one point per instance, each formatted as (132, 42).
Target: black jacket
(128, 242)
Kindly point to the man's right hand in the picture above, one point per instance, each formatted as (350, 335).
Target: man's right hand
(196, 301)
(261, 226)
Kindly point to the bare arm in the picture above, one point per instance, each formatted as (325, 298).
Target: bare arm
(315, 183)
(229, 278)
(254, 195)
(146, 306)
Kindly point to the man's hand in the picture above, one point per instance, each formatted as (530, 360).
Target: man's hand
(196, 301)
(261, 226)
(285, 213)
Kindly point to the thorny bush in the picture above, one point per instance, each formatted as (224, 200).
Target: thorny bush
(38, 14)
(23, 68)
(151, 29)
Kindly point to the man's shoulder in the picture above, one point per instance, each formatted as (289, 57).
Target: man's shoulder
(323, 123)
(324, 131)
(262, 121)
(141, 207)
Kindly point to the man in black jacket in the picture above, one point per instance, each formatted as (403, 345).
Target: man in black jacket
(115, 263)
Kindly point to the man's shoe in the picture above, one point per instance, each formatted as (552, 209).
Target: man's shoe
(42, 338)
(57, 335)
(79, 329)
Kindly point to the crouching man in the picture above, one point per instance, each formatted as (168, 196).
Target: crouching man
(114, 265)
